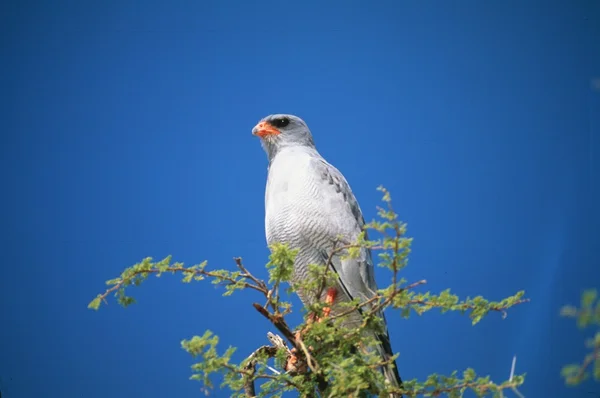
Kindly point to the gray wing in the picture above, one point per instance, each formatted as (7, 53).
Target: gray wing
(345, 218)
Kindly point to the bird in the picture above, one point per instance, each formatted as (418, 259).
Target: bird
(308, 206)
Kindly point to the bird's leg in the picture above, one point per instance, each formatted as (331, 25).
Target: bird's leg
(292, 359)
(290, 364)
(329, 299)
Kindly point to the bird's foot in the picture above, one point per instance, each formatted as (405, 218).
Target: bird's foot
(291, 364)
(292, 361)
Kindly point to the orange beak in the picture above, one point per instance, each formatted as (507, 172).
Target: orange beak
(264, 129)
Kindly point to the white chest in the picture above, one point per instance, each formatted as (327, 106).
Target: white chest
(291, 196)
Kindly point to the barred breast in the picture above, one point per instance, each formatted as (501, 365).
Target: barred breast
(293, 213)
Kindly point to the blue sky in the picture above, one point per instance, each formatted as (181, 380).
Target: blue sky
(126, 134)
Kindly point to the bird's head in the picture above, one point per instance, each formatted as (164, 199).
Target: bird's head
(280, 130)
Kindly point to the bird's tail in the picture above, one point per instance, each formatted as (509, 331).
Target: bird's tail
(390, 370)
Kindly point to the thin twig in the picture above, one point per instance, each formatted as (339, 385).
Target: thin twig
(589, 359)
(229, 280)
(247, 274)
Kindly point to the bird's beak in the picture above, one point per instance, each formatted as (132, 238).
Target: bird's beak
(264, 129)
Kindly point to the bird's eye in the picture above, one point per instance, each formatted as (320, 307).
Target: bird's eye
(281, 122)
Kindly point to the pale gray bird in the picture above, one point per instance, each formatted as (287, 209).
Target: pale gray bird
(308, 205)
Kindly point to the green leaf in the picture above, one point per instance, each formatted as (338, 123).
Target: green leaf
(469, 375)
(588, 297)
(95, 303)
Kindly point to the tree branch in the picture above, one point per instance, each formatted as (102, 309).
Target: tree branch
(278, 322)
(250, 368)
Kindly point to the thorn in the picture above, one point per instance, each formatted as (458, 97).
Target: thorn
(512, 368)
(512, 373)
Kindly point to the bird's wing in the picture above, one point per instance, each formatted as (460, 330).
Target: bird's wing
(344, 217)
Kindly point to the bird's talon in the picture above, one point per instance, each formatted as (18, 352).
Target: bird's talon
(290, 365)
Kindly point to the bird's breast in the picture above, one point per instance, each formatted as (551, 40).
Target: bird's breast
(291, 201)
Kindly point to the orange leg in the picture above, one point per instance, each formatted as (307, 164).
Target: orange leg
(292, 359)
(329, 299)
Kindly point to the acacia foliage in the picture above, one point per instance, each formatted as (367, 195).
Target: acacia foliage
(587, 316)
(328, 361)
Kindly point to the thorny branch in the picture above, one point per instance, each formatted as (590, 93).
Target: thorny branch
(589, 359)
(278, 322)
(259, 286)
(375, 298)
(246, 274)
(276, 317)
(250, 368)
(245, 279)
